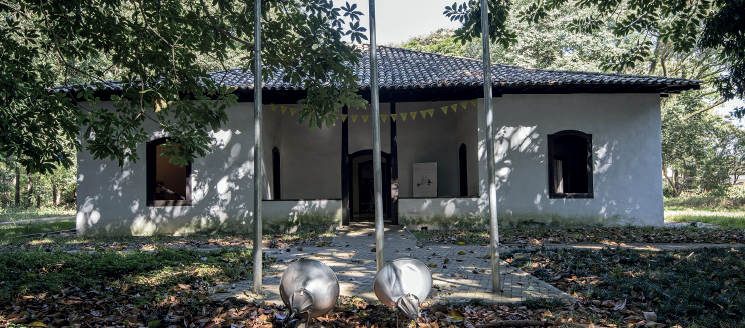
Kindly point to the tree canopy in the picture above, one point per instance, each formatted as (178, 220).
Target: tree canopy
(159, 53)
(678, 24)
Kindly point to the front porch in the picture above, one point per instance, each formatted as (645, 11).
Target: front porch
(327, 174)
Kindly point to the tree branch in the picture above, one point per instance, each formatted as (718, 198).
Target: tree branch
(226, 33)
(716, 103)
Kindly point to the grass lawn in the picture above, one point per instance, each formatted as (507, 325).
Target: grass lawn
(586, 236)
(723, 219)
(176, 288)
(70, 242)
(705, 203)
(701, 288)
(8, 231)
(9, 214)
(134, 289)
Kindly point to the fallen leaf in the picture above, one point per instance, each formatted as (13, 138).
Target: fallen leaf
(650, 316)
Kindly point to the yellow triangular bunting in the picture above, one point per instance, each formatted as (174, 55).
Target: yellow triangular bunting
(403, 116)
(424, 113)
(383, 117)
(393, 117)
(413, 115)
(463, 104)
(473, 102)
(343, 117)
(431, 112)
(454, 107)
(444, 109)
(365, 117)
(354, 118)
(284, 109)
(274, 107)
(292, 111)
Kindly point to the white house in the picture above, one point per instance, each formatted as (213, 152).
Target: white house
(572, 149)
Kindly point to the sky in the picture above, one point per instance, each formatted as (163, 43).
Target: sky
(399, 20)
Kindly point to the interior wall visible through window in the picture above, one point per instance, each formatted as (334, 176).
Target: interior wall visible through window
(570, 165)
(167, 184)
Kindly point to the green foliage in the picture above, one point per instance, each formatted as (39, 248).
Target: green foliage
(728, 198)
(9, 214)
(9, 231)
(676, 285)
(725, 30)
(160, 53)
(701, 152)
(34, 272)
(669, 22)
(441, 41)
(53, 188)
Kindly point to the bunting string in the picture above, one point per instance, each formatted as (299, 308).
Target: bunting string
(394, 117)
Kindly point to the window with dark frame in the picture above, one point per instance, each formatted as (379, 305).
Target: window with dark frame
(167, 184)
(276, 182)
(570, 165)
(463, 170)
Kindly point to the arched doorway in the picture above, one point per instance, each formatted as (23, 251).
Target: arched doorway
(362, 196)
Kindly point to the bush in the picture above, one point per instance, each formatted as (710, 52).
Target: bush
(737, 192)
(725, 198)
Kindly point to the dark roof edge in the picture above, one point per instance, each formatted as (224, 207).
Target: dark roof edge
(450, 93)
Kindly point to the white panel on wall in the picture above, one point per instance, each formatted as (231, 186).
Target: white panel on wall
(425, 179)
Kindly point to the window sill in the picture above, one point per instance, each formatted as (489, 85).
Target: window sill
(164, 203)
(571, 196)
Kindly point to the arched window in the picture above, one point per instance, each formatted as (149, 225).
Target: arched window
(276, 182)
(167, 184)
(463, 170)
(570, 165)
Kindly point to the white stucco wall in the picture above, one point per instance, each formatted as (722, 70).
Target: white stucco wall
(113, 200)
(311, 160)
(626, 158)
(434, 139)
(293, 216)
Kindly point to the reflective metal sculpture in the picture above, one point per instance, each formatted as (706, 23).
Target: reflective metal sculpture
(308, 287)
(404, 284)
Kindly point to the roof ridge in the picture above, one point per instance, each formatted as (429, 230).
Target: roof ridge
(424, 52)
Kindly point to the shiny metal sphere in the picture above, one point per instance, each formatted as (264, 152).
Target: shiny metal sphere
(309, 286)
(402, 277)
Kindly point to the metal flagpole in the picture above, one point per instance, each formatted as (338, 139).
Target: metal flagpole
(378, 173)
(257, 274)
(493, 223)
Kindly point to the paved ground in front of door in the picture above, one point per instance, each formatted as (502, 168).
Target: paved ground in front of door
(350, 256)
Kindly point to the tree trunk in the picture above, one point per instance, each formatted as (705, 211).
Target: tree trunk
(29, 191)
(18, 186)
(38, 193)
(55, 195)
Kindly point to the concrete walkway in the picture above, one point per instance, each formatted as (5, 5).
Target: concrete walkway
(462, 273)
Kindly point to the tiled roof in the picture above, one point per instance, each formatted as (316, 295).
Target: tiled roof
(412, 69)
